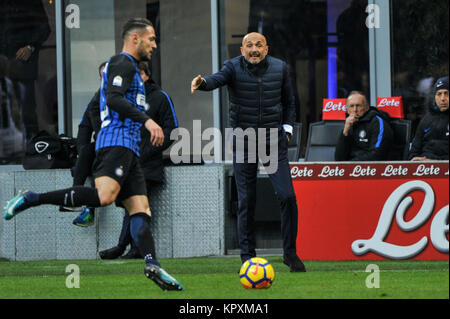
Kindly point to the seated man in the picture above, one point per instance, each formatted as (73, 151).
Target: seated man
(431, 139)
(367, 134)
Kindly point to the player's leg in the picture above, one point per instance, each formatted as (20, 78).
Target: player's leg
(108, 189)
(125, 235)
(134, 198)
(104, 194)
(140, 219)
(73, 197)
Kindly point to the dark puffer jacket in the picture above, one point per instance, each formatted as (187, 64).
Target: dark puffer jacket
(370, 139)
(257, 99)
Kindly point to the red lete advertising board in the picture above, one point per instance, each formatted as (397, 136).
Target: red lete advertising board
(334, 109)
(391, 105)
(372, 211)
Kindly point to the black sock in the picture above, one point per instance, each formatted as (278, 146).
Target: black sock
(72, 197)
(142, 236)
(125, 235)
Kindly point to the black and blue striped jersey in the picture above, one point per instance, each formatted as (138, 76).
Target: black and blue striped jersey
(122, 104)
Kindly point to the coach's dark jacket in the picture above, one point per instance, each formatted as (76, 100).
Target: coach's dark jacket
(369, 139)
(260, 95)
(90, 122)
(161, 111)
(431, 138)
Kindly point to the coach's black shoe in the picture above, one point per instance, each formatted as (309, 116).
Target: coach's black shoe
(133, 253)
(111, 253)
(294, 263)
(162, 278)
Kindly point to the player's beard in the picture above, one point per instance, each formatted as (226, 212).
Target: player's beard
(143, 54)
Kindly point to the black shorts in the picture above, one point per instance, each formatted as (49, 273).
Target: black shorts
(122, 165)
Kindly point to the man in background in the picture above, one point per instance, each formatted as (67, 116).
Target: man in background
(24, 28)
(431, 139)
(367, 134)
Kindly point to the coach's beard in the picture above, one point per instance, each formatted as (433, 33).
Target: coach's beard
(254, 55)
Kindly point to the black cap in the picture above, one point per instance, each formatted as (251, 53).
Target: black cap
(441, 84)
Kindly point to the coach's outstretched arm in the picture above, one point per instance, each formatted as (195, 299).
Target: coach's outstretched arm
(211, 82)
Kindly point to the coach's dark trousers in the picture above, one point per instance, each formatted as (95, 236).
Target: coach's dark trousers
(245, 177)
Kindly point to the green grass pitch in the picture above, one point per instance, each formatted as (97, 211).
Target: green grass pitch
(217, 278)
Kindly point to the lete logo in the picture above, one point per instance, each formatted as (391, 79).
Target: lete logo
(391, 102)
(398, 203)
(330, 106)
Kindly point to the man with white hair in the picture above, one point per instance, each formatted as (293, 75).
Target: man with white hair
(367, 134)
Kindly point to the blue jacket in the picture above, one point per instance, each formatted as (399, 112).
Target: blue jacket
(265, 100)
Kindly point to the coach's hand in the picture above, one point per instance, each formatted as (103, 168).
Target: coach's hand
(195, 84)
(156, 132)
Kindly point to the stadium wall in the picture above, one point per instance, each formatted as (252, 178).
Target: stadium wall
(189, 217)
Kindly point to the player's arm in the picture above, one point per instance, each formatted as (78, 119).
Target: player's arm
(120, 77)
